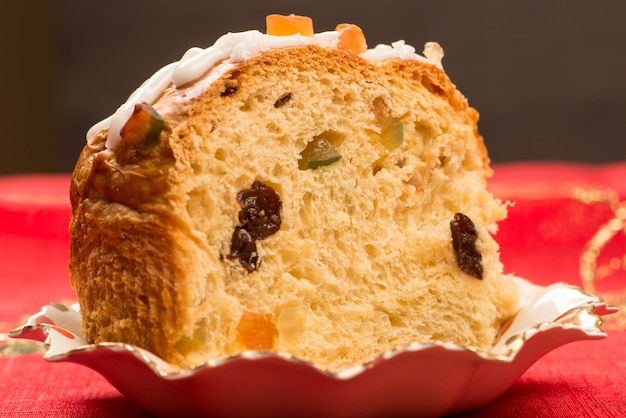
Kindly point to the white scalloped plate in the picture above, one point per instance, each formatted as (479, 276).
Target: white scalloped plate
(420, 379)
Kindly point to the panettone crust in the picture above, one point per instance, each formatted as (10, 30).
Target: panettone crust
(363, 260)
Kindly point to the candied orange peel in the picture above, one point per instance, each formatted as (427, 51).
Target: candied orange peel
(255, 331)
(351, 38)
(280, 25)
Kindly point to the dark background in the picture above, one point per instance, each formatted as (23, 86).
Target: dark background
(547, 76)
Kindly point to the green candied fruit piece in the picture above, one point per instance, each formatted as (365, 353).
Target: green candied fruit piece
(392, 134)
(317, 153)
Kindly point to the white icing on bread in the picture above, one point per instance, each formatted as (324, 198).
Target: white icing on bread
(229, 49)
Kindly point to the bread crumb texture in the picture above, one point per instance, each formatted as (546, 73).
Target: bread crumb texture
(363, 260)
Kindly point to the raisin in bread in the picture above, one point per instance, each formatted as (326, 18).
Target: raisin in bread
(300, 198)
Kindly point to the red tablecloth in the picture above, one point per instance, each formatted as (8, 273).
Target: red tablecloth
(558, 209)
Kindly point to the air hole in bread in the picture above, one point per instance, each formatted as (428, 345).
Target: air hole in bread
(327, 82)
(376, 167)
(341, 97)
(252, 103)
(197, 203)
(432, 87)
(380, 110)
(272, 127)
(371, 250)
(277, 171)
(246, 107)
(396, 320)
(220, 154)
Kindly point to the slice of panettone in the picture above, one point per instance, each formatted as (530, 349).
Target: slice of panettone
(297, 193)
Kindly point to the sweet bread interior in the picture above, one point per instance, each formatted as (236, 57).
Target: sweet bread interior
(295, 193)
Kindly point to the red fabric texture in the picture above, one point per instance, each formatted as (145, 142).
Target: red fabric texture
(34, 244)
(541, 240)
